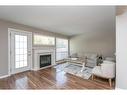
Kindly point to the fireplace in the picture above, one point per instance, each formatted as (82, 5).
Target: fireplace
(45, 60)
(44, 57)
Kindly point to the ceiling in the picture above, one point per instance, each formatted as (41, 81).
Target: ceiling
(66, 20)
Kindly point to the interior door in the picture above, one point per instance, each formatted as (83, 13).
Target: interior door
(21, 51)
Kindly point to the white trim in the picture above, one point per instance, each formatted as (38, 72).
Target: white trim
(17, 30)
(55, 49)
(9, 51)
(4, 76)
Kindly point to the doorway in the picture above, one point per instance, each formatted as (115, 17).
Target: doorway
(20, 47)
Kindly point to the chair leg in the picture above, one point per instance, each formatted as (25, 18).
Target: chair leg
(92, 77)
(110, 82)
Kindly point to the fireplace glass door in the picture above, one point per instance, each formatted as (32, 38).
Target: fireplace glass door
(45, 60)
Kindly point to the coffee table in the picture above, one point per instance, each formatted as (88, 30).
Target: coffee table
(79, 61)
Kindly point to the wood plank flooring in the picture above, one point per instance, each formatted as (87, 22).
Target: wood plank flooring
(50, 78)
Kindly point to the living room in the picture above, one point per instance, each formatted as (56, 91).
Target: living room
(60, 36)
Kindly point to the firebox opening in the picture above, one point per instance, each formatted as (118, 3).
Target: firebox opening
(45, 60)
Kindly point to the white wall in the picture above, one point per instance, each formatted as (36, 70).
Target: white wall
(121, 51)
(100, 42)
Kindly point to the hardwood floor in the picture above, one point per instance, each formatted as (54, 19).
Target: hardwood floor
(50, 78)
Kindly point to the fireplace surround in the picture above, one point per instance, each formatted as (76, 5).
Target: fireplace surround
(43, 58)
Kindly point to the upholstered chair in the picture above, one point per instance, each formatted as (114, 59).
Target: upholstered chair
(105, 70)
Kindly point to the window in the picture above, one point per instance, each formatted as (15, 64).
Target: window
(61, 48)
(44, 40)
(20, 51)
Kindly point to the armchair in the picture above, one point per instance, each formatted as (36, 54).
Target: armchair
(106, 70)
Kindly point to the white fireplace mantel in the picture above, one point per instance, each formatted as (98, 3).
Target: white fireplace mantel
(43, 51)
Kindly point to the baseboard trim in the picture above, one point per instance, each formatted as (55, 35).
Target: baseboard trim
(4, 76)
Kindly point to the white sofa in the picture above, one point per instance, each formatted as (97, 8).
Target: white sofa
(105, 70)
(90, 59)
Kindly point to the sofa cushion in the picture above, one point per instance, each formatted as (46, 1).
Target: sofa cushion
(74, 59)
(74, 55)
(91, 55)
(90, 65)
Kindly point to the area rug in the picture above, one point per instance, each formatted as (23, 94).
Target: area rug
(73, 69)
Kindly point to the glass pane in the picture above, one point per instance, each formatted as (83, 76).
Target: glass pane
(25, 45)
(61, 48)
(25, 62)
(17, 65)
(25, 51)
(21, 38)
(21, 57)
(25, 38)
(17, 38)
(17, 58)
(20, 51)
(61, 55)
(21, 64)
(17, 45)
(44, 40)
(17, 51)
(21, 44)
(25, 56)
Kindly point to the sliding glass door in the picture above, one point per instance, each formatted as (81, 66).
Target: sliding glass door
(61, 48)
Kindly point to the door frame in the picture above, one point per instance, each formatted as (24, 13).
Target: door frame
(9, 48)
